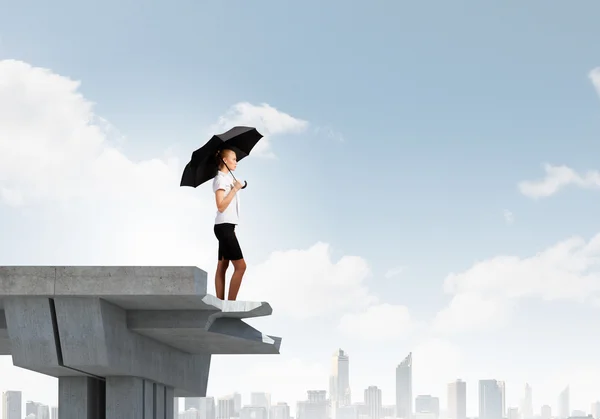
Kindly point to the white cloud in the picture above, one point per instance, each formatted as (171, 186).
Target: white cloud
(557, 178)
(378, 322)
(509, 217)
(393, 272)
(484, 294)
(268, 121)
(307, 283)
(594, 76)
(470, 311)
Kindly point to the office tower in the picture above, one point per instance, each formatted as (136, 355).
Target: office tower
(204, 406)
(546, 412)
(280, 411)
(404, 388)
(527, 403)
(373, 402)
(595, 410)
(43, 412)
(313, 408)
(502, 387)
(54, 412)
(339, 381)
(457, 400)
(512, 413)
(261, 400)
(490, 399)
(11, 405)
(237, 403)
(564, 409)
(428, 404)
(225, 407)
(31, 408)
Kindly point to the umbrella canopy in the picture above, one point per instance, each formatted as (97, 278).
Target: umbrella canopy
(203, 165)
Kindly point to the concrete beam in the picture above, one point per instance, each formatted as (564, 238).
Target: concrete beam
(129, 339)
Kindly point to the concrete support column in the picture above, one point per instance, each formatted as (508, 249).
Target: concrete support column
(136, 398)
(81, 398)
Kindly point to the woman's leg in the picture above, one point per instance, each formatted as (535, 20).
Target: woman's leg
(239, 267)
(220, 278)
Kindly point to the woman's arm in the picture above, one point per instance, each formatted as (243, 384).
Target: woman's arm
(222, 200)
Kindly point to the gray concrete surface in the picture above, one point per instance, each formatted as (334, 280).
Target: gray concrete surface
(123, 339)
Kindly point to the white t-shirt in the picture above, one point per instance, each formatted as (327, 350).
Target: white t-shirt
(232, 212)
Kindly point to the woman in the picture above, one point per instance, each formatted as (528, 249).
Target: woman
(228, 212)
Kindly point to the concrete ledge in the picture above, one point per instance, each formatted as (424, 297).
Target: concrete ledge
(98, 323)
(129, 287)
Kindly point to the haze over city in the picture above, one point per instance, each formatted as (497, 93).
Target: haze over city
(427, 183)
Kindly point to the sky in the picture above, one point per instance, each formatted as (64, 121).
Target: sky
(428, 180)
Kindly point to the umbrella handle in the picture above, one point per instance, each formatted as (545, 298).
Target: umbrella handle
(245, 184)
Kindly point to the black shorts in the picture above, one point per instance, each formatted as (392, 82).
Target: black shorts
(229, 247)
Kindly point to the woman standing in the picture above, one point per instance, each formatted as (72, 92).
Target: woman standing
(228, 212)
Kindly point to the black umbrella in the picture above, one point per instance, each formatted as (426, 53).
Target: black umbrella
(204, 163)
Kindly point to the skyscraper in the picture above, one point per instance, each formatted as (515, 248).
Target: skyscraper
(373, 402)
(595, 410)
(490, 399)
(564, 410)
(339, 381)
(527, 403)
(457, 400)
(11, 405)
(404, 388)
(262, 400)
(502, 387)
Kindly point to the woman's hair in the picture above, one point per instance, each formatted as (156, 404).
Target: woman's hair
(220, 155)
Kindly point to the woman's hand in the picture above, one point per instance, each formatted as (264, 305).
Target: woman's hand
(237, 185)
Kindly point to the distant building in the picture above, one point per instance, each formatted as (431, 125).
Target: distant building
(11, 405)
(564, 404)
(428, 404)
(527, 403)
(404, 395)
(313, 408)
(280, 411)
(491, 396)
(457, 400)
(261, 400)
(225, 407)
(373, 402)
(339, 382)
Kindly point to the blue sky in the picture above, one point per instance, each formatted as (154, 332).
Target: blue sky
(422, 119)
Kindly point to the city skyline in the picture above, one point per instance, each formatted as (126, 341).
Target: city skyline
(491, 394)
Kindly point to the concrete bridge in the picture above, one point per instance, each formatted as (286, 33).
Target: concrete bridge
(123, 341)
